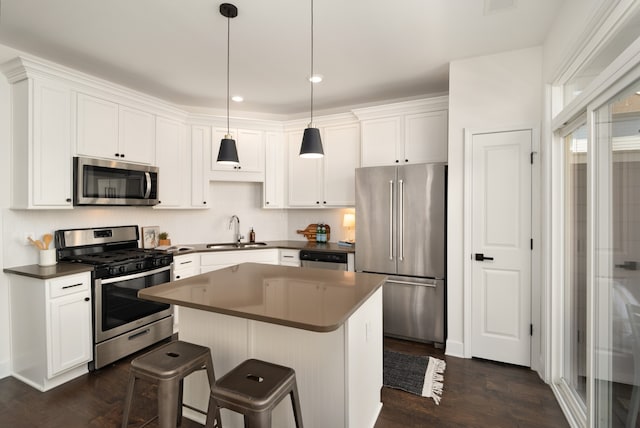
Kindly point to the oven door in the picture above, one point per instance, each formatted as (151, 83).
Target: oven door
(118, 308)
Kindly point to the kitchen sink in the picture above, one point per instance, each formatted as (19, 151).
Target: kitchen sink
(231, 245)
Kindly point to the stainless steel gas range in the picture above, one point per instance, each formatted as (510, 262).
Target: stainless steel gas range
(122, 323)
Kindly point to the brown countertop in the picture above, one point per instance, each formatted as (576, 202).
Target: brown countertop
(310, 299)
(294, 245)
(48, 272)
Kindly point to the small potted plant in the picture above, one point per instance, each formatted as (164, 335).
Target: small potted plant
(163, 239)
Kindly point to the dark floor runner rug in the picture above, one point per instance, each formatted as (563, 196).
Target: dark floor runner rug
(420, 375)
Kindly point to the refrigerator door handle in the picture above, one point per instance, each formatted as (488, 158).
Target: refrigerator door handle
(401, 219)
(421, 284)
(390, 219)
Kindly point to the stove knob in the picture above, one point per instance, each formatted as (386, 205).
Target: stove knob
(122, 269)
(139, 266)
(113, 271)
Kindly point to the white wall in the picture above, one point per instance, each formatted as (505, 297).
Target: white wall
(485, 93)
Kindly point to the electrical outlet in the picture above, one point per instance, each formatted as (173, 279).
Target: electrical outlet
(26, 236)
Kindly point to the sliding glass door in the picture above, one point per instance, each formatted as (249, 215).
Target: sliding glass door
(616, 261)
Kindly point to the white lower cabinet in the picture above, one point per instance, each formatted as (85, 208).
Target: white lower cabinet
(184, 266)
(51, 340)
(222, 259)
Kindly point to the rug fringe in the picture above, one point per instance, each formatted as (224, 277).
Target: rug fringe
(434, 379)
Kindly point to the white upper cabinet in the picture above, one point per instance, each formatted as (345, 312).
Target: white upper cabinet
(274, 170)
(41, 147)
(341, 158)
(200, 146)
(250, 146)
(328, 181)
(172, 163)
(137, 135)
(425, 137)
(305, 176)
(112, 131)
(404, 133)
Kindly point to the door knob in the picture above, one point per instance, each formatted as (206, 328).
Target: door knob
(481, 257)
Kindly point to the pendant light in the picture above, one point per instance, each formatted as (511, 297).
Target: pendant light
(228, 153)
(311, 146)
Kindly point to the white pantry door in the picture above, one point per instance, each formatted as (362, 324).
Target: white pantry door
(501, 245)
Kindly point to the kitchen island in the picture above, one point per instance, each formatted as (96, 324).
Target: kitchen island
(327, 325)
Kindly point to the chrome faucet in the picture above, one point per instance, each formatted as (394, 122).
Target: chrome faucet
(236, 231)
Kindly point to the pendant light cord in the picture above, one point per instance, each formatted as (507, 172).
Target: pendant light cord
(311, 76)
(228, 56)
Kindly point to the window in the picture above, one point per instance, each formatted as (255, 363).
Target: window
(575, 255)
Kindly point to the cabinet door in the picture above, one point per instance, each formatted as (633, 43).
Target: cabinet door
(341, 155)
(51, 170)
(381, 141)
(217, 136)
(97, 127)
(251, 150)
(305, 188)
(250, 146)
(70, 332)
(426, 137)
(274, 170)
(170, 155)
(200, 140)
(137, 135)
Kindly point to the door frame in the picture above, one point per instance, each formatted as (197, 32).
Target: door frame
(537, 363)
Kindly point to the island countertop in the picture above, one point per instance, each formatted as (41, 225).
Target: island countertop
(318, 300)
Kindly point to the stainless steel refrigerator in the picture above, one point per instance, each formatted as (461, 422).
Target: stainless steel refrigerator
(401, 232)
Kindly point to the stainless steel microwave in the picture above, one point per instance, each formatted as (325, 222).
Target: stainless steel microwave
(104, 182)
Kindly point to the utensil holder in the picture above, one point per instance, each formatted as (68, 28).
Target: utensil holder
(47, 257)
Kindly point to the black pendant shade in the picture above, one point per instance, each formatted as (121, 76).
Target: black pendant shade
(228, 154)
(311, 146)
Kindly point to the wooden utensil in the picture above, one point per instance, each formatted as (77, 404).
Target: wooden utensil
(47, 238)
(38, 244)
(310, 232)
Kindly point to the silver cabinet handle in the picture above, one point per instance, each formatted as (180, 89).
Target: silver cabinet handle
(390, 219)
(64, 287)
(186, 262)
(401, 218)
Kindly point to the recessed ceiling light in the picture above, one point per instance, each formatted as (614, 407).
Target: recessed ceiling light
(316, 78)
(237, 98)
(638, 93)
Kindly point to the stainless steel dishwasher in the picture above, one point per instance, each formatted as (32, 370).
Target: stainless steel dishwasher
(333, 260)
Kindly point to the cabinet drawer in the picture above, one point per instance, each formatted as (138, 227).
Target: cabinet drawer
(69, 284)
(186, 262)
(289, 256)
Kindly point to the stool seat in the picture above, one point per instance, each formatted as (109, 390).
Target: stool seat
(171, 360)
(254, 388)
(168, 365)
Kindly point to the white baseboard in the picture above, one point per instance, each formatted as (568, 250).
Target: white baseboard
(5, 369)
(455, 348)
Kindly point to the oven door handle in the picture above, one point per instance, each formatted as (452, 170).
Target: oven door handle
(135, 275)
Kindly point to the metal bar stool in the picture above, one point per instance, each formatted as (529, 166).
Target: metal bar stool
(253, 389)
(167, 366)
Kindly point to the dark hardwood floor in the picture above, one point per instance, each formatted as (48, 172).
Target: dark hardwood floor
(476, 394)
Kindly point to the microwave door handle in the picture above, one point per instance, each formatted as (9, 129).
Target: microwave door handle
(147, 191)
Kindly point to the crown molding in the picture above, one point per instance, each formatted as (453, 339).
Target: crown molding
(404, 107)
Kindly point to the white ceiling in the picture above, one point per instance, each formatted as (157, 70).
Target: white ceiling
(367, 50)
